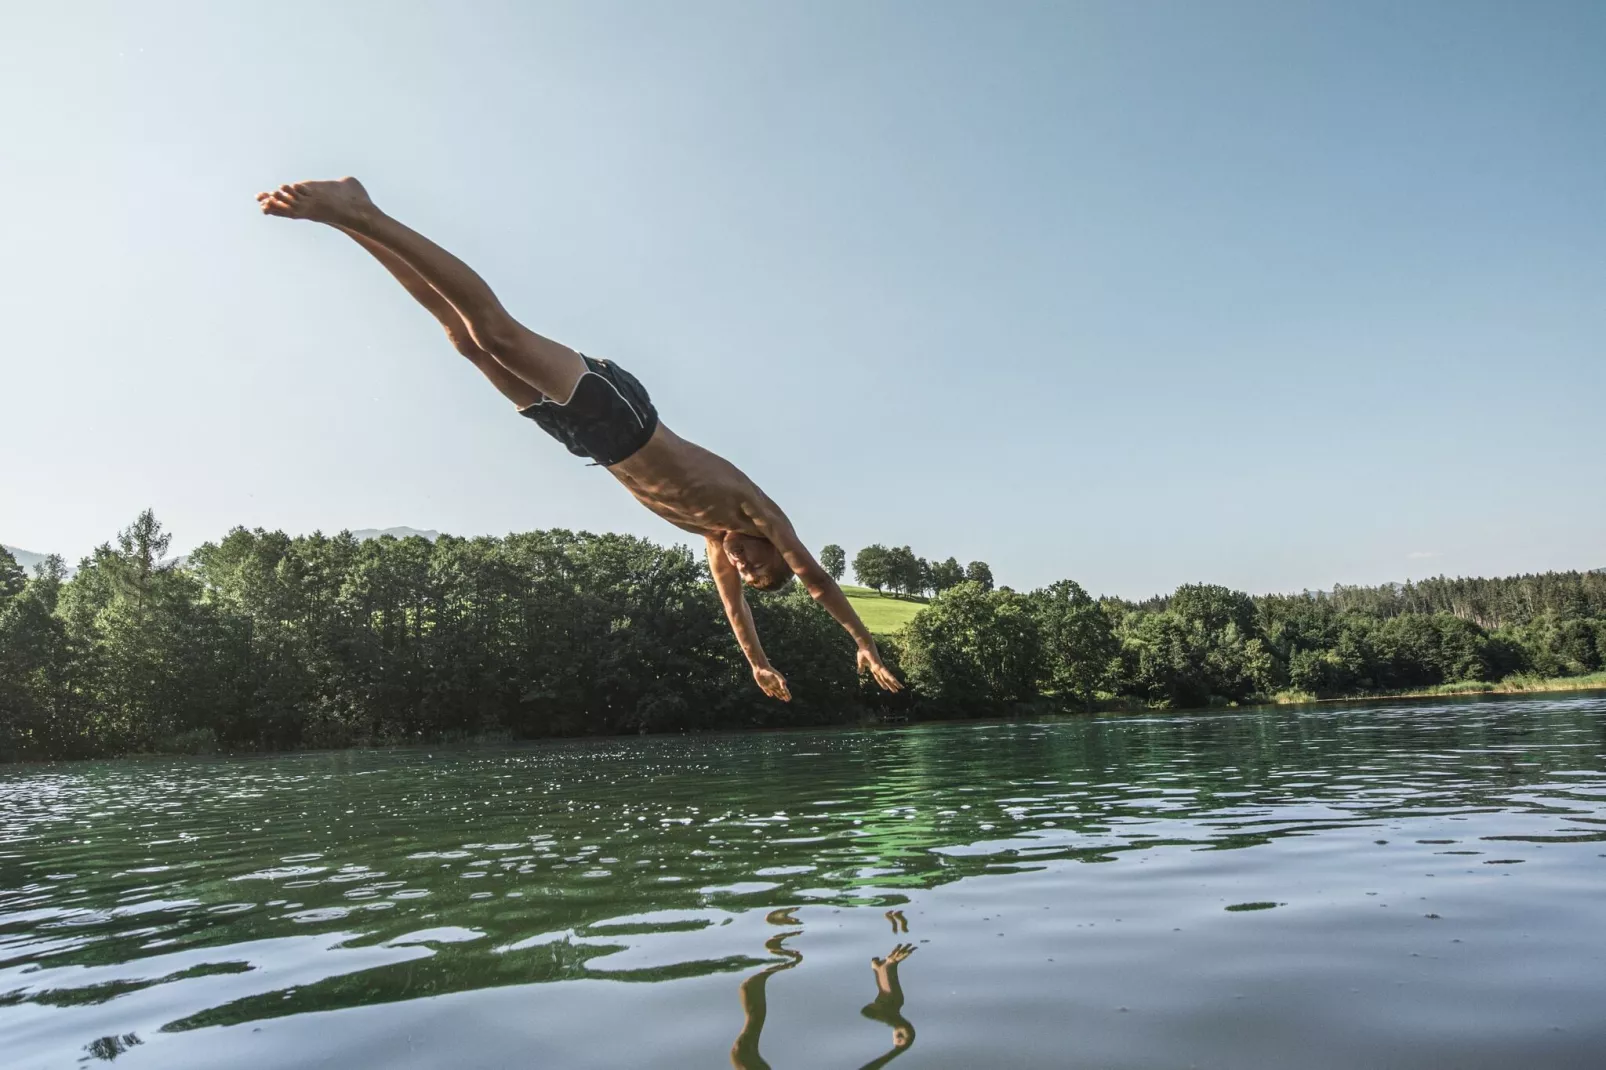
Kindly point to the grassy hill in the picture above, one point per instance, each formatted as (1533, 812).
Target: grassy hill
(883, 614)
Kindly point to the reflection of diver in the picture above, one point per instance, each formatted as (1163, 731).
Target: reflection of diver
(744, 1053)
(887, 1007)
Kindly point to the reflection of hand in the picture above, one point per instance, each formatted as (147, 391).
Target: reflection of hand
(772, 683)
(887, 1007)
(870, 661)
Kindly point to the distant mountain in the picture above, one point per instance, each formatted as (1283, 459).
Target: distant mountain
(364, 534)
(26, 558)
(361, 535)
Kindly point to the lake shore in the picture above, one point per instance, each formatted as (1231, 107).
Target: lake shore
(1511, 685)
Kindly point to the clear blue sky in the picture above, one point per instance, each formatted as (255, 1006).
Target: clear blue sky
(1269, 294)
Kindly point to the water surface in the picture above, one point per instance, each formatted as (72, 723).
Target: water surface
(1407, 885)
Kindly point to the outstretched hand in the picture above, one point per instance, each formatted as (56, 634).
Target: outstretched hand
(870, 662)
(772, 683)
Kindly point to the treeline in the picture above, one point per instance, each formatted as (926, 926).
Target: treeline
(898, 569)
(1206, 644)
(263, 641)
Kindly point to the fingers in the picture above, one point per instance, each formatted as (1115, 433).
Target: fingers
(773, 684)
(878, 671)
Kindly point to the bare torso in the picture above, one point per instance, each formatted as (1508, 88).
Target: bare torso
(694, 489)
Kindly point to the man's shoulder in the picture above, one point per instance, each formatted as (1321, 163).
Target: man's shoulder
(761, 509)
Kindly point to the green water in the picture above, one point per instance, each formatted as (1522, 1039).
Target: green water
(1406, 885)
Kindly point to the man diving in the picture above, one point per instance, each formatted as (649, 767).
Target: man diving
(605, 415)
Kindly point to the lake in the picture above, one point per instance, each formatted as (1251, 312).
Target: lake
(1412, 884)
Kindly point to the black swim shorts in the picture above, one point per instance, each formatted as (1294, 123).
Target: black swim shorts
(607, 418)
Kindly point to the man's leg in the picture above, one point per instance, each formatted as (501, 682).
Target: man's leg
(512, 387)
(546, 365)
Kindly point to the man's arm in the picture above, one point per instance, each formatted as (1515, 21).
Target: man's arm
(824, 590)
(729, 585)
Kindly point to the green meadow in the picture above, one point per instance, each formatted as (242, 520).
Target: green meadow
(883, 614)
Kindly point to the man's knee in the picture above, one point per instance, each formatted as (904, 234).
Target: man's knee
(464, 343)
(541, 361)
(497, 334)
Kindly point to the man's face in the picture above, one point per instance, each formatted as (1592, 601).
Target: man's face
(757, 561)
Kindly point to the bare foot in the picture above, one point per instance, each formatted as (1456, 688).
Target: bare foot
(336, 202)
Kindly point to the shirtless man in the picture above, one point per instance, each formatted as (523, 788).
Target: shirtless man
(605, 415)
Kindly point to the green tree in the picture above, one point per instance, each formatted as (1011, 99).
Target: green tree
(903, 570)
(973, 650)
(979, 572)
(12, 577)
(1078, 640)
(35, 693)
(146, 646)
(1214, 608)
(1205, 645)
(870, 566)
(833, 560)
(946, 574)
(1159, 661)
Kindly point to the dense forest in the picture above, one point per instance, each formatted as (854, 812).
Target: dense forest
(263, 641)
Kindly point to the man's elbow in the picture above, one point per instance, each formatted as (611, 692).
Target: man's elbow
(816, 580)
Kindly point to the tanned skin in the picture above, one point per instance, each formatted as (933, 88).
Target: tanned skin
(746, 535)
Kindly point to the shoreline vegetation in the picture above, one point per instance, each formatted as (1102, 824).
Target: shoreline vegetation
(266, 642)
(1511, 685)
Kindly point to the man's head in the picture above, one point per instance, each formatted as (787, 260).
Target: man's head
(757, 561)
